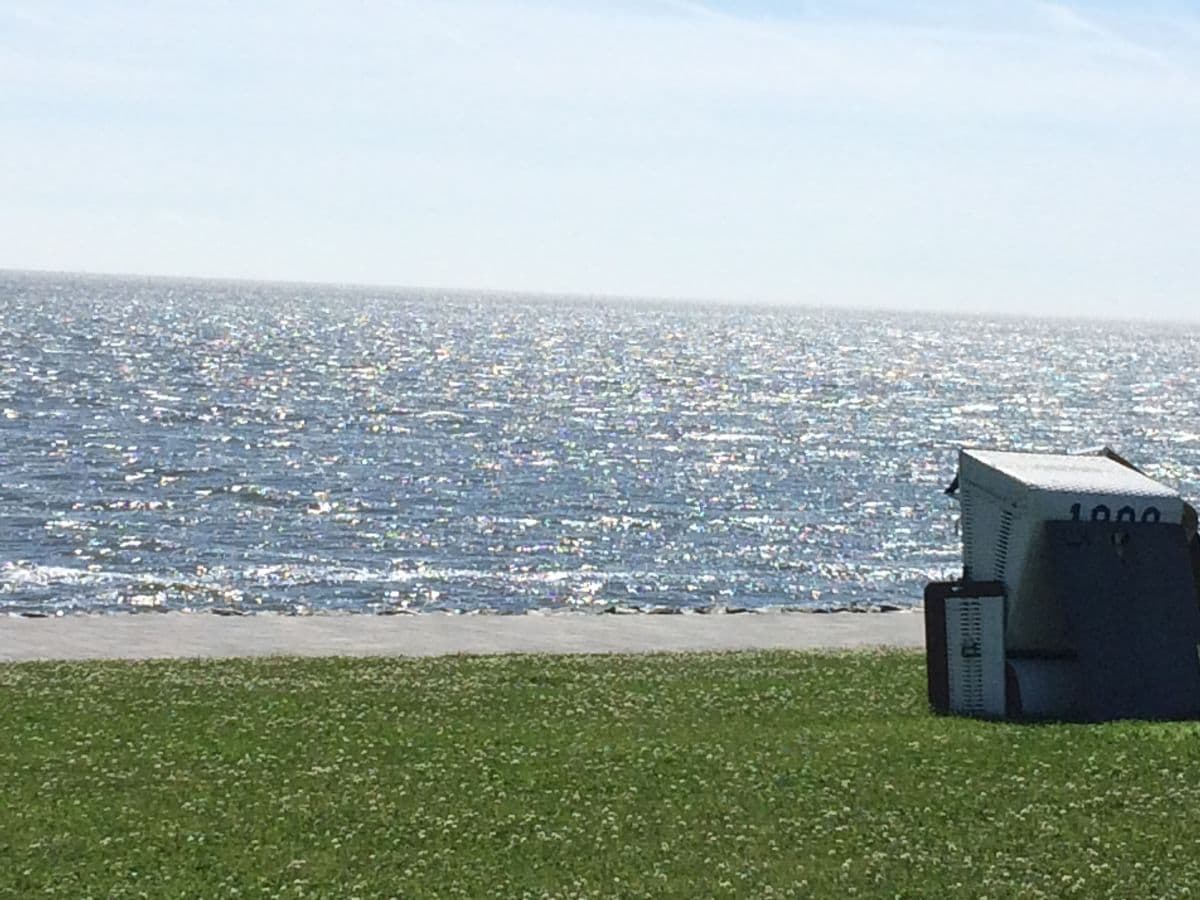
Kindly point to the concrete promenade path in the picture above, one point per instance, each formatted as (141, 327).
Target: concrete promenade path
(186, 635)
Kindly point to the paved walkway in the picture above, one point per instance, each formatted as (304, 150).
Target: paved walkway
(165, 635)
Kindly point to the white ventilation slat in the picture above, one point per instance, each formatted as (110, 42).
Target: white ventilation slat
(975, 656)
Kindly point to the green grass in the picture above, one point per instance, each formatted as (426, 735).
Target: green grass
(747, 775)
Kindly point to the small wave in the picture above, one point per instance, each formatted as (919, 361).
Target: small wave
(968, 408)
(22, 574)
(261, 495)
(726, 437)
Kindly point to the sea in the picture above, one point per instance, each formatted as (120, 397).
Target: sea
(294, 449)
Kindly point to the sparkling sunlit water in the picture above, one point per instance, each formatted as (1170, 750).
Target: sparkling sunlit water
(196, 444)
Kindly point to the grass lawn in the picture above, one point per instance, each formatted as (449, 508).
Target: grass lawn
(747, 775)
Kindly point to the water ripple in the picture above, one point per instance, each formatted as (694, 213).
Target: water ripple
(193, 445)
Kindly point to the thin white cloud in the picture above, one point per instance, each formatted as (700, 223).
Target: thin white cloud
(1072, 21)
(480, 53)
(26, 14)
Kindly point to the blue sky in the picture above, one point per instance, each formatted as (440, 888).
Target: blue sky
(1015, 156)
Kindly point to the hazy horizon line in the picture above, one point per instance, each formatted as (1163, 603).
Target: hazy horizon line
(615, 298)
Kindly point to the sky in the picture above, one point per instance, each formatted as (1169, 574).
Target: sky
(1019, 157)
